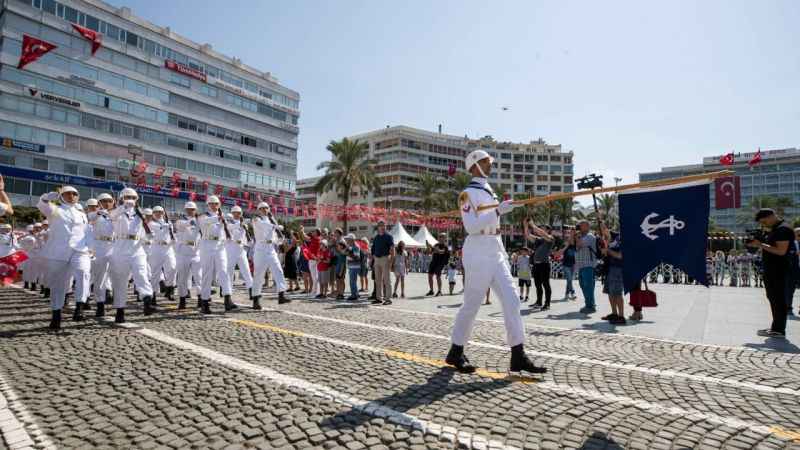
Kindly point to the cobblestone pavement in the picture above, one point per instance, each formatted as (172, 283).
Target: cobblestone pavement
(348, 375)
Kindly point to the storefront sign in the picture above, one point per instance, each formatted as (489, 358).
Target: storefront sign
(64, 101)
(188, 71)
(22, 145)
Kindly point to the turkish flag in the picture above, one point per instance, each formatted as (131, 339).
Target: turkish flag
(726, 160)
(92, 36)
(32, 49)
(755, 159)
(9, 266)
(727, 192)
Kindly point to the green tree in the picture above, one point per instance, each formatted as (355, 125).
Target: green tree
(608, 206)
(350, 167)
(455, 186)
(779, 204)
(427, 188)
(24, 215)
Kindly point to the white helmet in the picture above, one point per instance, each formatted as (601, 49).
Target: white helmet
(45, 222)
(263, 205)
(128, 192)
(190, 205)
(147, 212)
(37, 225)
(29, 228)
(104, 196)
(476, 156)
(158, 209)
(236, 208)
(5, 226)
(212, 199)
(91, 202)
(66, 189)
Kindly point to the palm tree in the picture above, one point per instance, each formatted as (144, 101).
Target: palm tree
(607, 204)
(564, 210)
(455, 186)
(427, 188)
(350, 167)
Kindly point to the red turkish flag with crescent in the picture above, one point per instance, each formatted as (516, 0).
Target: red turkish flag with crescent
(727, 193)
(92, 36)
(32, 49)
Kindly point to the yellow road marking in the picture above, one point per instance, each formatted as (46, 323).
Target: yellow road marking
(786, 434)
(390, 353)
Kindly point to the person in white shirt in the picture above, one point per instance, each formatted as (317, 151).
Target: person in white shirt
(28, 243)
(213, 260)
(187, 254)
(486, 266)
(265, 257)
(162, 253)
(66, 252)
(235, 249)
(128, 257)
(102, 246)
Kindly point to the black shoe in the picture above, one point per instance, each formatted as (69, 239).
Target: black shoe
(611, 316)
(319, 296)
(149, 307)
(55, 321)
(120, 316)
(162, 287)
(430, 292)
(250, 293)
(524, 299)
(537, 304)
(376, 302)
(229, 305)
(257, 303)
(456, 358)
(771, 333)
(206, 307)
(199, 302)
(109, 297)
(100, 311)
(77, 315)
(521, 363)
(46, 293)
(26, 286)
(182, 303)
(618, 320)
(438, 294)
(352, 298)
(545, 307)
(282, 298)
(387, 302)
(170, 293)
(394, 295)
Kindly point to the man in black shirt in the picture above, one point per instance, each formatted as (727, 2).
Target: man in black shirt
(777, 267)
(441, 256)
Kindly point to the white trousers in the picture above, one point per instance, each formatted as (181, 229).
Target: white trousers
(312, 268)
(486, 266)
(214, 265)
(188, 268)
(59, 274)
(238, 257)
(122, 268)
(267, 259)
(162, 258)
(101, 278)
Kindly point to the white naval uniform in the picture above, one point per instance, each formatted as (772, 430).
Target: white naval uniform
(66, 253)
(128, 257)
(485, 265)
(102, 245)
(8, 245)
(162, 253)
(29, 244)
(237, 254)
(265, 255)
(187, 255)
(213, 260)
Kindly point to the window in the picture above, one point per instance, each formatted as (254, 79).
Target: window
(180, 80)
(70, 168)
(99, 173)
(40, 164)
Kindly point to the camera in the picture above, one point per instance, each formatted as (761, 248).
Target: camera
(590, 181)
(754, 234)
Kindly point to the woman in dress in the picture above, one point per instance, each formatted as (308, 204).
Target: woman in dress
(400, 264)
(290, 265)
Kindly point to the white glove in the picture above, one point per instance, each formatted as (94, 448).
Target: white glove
(50, 196)
(506, 207)
(279, 227)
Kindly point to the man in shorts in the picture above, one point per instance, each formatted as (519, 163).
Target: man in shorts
(524, 273)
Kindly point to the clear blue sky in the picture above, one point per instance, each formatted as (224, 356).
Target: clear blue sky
(629, 86)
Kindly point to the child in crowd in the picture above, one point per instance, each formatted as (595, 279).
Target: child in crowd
(451, 275)
(323, 264)
(524, 273)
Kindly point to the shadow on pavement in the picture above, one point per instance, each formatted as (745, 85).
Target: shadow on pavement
(454, 305)
(775, 345)
(600, 441)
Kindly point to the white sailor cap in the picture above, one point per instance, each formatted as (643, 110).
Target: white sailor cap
(476, 156)
(29, 228)
(190, 205)
(236, 208)
(37, 225)
(263, 205)
(158, 208)
(128, 192)
(212, 199)
(147, 212)
(104, 196)
(5, 226)
(91, 202)
(45, 222)
(66, 189)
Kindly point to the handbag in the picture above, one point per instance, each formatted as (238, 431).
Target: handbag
(643, 298)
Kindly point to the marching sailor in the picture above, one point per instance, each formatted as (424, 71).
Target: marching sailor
(265, 256)
(162, 253)
(213, 261)
(187, 254)
(102, 245)
(235, 249)
(66, 252)
(485, 266)
(128, 257)
(28, 243)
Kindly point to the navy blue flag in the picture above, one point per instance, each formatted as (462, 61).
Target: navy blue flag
(670, 226)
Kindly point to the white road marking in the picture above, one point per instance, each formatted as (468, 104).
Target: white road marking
(363, 406)
(15, 418)
(579, 359)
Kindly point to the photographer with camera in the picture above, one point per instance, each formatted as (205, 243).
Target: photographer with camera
(775, 247)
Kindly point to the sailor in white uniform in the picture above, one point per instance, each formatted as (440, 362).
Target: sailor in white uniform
(102, 246)
(485, 266)
(162, 253)
(187, 254)
(213, 260)
(266, 234)
(66, 252)
(236, 249)
(28, 243)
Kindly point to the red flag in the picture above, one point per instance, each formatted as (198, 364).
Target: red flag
(218, 190)
(726, 160)
(190, 182)
(451, 169)
(157, 188)
(9, 265)
(176, 191)
(192, 196)
(233, 192)
(755, 159)
(140, 169)
(727, 193)
(246, 195)
(176, 178)
(92, 36)
(141, 181)
(32, 49)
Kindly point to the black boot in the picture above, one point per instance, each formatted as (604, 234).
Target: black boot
(55, 321)
(153, 300)
(77, 316)
(149, 308)
(206, 307)
(120, 316)
(257, 303)
(199, 302)
(100, 311)
(162, 287)
(546, 305)
(182, 303)
(456, 358)
(26, 286)
(170, 292)
(41, 290)
(229, 305)
(282, 298)
(109, 297)
(34, 287)
(520, 362)
(250, 292)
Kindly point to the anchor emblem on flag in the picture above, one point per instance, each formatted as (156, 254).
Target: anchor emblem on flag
(670, 223)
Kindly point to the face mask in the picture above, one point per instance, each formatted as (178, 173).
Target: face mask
(130, 203)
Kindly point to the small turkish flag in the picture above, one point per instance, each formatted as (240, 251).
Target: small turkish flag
(727, 193)
(756, 158)
(451, 169)
(32, 49)
(92, 36)
(726, 160)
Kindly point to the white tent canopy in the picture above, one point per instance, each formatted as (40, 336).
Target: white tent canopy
(399, 234)
(423, 236)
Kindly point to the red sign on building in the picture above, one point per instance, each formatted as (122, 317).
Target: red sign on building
(188, 71)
